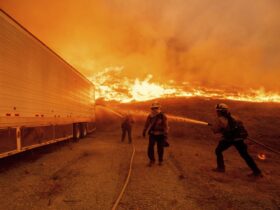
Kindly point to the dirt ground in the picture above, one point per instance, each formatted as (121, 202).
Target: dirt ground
(83, 175)
(186, 181)
(89, 174)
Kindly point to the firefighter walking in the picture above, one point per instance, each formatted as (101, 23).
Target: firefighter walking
(157, 127)
(233, 134)
(126, 127)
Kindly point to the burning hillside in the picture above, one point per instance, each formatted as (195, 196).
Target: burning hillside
(111, 85)
(224, 49)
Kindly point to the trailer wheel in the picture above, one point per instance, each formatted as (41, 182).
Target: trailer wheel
(84, 134)
(83, 130)
(77, 132)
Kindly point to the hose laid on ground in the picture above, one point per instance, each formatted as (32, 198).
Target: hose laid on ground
(126, 181)
(263, 145)
(259, 143)
(193, 121)
(176, 118)
(130, 165)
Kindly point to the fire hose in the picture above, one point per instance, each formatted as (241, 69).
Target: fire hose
(126, 181)
(116, 203)
(174, 118)
(193, 121)
(189, 120)
(258, 143)
(264, 146)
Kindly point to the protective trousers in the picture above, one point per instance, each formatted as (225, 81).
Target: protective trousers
(241, 148)
(159, 139)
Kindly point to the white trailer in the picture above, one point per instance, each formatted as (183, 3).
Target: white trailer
(43, 99)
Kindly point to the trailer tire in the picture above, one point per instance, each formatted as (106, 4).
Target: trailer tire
(76, 132)
(84, 130)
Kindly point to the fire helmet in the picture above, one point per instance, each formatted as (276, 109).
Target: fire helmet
(155, 105)
(222, 107)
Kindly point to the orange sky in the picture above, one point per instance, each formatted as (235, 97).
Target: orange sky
(212, 42)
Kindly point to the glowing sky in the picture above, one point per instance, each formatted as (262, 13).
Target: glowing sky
(211, 42)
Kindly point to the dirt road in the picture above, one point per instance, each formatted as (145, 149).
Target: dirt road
(83, 175)
(156, 187)
(89, 175)
(186, 180)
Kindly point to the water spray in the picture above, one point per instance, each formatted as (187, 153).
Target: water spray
(170, 117)
(177, 119)
(187, 120)
(111, 111)
(118, 200)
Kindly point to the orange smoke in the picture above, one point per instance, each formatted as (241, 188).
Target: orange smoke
(224, 45)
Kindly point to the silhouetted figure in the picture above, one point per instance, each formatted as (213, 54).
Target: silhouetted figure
(157, 127)
(233, 134)
(127, 127)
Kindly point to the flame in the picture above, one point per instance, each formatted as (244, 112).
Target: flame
(112, 86)
(262, 156)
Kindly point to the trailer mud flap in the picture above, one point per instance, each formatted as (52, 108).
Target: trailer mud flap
(36, 135)
(63, 130)
(42, 134)
(8, 140)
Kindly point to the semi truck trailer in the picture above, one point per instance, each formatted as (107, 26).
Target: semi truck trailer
(43, 99)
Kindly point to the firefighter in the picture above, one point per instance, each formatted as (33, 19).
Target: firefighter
(233, 134)
(157, 127)
(126, 127)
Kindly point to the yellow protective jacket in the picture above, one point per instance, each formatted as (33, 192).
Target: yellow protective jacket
(156, 124)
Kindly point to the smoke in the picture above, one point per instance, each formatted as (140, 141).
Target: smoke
(214, 43)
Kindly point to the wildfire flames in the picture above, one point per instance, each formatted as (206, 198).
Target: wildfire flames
(111, 86)
(262, 156)
(178, 49)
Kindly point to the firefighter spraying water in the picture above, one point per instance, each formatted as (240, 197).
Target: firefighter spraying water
(141, 113)
(233, 134)
(231, 129)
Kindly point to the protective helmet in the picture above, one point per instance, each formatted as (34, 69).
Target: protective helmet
(222, 107)
(155, 105)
